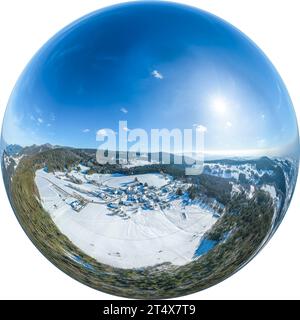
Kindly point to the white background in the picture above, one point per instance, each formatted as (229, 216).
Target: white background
(26, 25)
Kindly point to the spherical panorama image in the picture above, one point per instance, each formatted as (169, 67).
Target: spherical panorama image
(149, 150)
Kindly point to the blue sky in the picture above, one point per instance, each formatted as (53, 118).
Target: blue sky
(155, 65)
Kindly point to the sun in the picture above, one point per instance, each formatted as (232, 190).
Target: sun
(219, 105)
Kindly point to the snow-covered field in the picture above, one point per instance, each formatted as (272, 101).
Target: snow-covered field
(143, 238)
(233, 171)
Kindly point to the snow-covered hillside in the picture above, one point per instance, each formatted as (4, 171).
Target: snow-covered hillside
(125, 221)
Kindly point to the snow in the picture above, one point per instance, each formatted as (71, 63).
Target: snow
(83, 168)
(6, 161)
(270, 189)
(17, 161)
(141, 238)
(99, 178)
(251, 192)
(235, 189)
(78, 176)
(152, 179)
(136, 163)
(227, 171)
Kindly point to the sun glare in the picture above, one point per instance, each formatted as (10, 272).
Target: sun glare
(219, 105)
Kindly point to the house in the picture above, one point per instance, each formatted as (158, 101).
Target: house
(216, 214)
(75, 204)
(128, 203)
(112, 206)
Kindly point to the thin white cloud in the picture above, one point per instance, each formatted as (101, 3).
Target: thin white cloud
(86, 130)
(32, 118)
(48, 124)
(40, 120)
(156, 74)
(124, 110)
(105, 132)
(101, 132)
